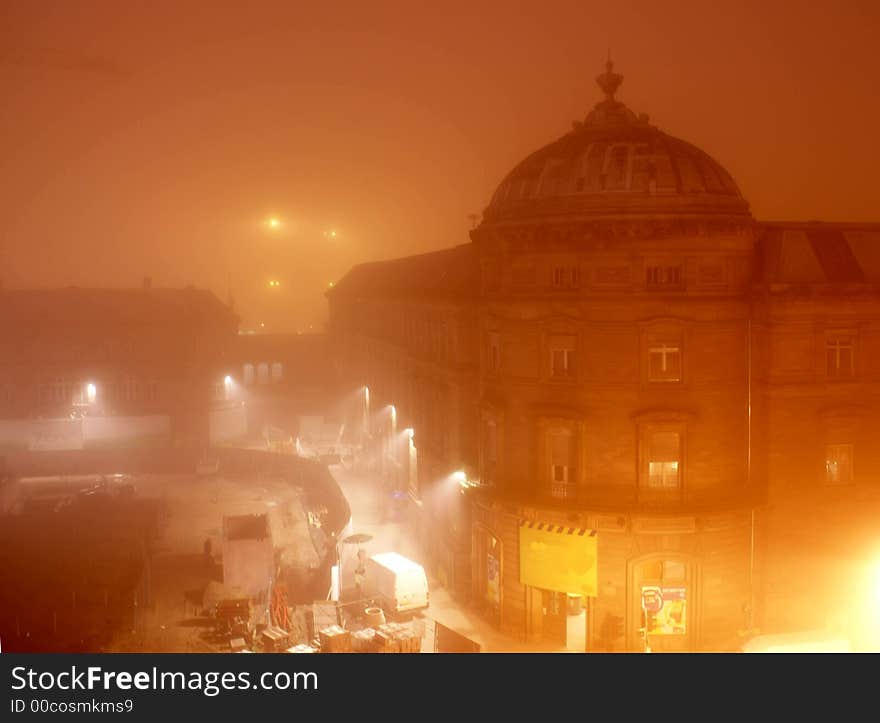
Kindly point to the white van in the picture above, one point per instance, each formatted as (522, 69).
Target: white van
(397, 581)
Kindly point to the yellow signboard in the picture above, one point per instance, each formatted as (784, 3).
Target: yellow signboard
(558, 558)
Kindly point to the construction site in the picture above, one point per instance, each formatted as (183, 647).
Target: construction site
(163, 553)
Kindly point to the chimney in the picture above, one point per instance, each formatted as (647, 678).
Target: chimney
(148, 282)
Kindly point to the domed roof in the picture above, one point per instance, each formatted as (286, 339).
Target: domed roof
(614, 164)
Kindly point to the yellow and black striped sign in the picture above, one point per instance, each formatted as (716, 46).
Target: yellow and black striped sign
(556, 557)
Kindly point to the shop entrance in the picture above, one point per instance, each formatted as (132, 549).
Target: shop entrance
(663, 604)
(553, 617)
(563, 620)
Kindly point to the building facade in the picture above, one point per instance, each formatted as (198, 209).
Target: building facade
(129, 365)
(281, 377)
(624, 349)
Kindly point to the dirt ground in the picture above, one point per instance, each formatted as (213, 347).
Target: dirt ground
(194, 511)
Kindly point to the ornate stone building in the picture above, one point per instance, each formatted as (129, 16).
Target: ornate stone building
(623, 349)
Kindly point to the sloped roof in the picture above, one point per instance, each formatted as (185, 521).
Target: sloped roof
(448, 273)
(818, 253)
(123, 306)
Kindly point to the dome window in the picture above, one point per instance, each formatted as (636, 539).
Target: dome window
(617, 168)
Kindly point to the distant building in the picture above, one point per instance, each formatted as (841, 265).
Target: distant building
(624, 352)
(120, 365)
(281, 377)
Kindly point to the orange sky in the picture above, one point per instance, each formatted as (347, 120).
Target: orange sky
(155, 138)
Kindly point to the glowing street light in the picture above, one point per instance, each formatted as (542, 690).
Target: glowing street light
(330, 234)
(273, 222)
(91, 393)
(274, 283)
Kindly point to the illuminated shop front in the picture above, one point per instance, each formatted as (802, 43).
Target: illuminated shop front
(667, 596)
(629, 582)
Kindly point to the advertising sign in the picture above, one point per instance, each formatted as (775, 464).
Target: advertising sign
(558, 558)
(665, 609)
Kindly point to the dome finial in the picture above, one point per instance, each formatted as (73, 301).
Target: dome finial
(609, 81)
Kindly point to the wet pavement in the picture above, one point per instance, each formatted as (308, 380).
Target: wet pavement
(370, 516)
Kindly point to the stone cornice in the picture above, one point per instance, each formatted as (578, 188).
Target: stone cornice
(581, 234)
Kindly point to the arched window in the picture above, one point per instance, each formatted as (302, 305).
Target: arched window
(263, 373)
(277, 372)
(248, 375)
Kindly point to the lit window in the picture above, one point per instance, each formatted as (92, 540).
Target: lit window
(562, 477)
(562, 360)
(664, 459)
(664, 363)
(277, 372)
(839, 464)
(839, 356)
(248, 374)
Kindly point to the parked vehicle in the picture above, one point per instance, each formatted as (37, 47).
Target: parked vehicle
(398, 583)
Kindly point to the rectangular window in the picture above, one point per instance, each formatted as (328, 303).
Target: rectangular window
(664, 363)
(562, 363)
(60, 389)
(562, 477)
(664, 277)
(664, 459)
(839, 464)
(490, 452)
(566, 277)
(130, 389)
(839, 357)
(494, 352)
